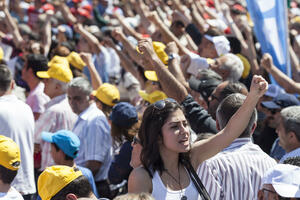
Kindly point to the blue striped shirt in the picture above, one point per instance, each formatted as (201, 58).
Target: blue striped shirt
(93, 130)
(293, 153)
(236, 172)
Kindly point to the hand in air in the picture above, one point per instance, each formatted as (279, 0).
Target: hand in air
(258, 86)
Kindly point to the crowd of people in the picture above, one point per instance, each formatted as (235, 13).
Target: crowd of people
(145, 99)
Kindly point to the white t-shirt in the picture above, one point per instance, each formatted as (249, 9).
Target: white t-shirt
(12, 194)
(17, 123)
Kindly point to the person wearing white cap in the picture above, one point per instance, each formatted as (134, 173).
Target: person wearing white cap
(281, 182)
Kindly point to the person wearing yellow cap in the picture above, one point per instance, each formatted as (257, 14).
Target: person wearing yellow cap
(76, 64)
(17, 123)
(58, 114)
(9, 164)
(106, 96)
(157, 95)
(61, 182)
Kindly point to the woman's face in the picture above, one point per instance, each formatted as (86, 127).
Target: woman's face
(176, 134)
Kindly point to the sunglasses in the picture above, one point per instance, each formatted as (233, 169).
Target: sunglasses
(267, 190)
(214, 97)
(136, 140)
(274, 111)
(161, 104)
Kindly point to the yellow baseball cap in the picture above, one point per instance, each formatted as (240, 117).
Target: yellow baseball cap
(75, 60)
(54, 179)
(154, 96)
(9, 153)
(1, 53)
(151, 75)
(59, 71)
(108, 94)
(59, 60)
(246, 64)
(159, 49)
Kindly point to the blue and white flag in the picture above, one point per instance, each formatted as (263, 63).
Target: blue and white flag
(270, 27)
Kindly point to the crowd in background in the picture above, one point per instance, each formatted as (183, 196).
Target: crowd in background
(145, 99)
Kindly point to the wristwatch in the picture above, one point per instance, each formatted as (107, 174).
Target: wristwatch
(171, 56)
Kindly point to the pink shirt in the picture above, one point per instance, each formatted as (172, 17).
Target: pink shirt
(37, 99)
(58, 115)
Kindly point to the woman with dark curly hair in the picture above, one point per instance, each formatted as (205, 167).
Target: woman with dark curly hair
(165, 137)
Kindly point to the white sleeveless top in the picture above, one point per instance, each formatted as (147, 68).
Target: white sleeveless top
(160, 192)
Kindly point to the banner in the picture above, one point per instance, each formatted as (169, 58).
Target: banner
(270, 27)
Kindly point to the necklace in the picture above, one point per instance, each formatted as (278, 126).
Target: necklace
(183, 197)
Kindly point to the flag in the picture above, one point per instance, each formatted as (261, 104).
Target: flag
(271, 30)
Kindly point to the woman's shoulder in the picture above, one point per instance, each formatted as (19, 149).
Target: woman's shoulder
(139, 181)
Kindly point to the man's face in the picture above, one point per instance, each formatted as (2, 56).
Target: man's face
(83, 45)
(78, 100)
(177, 28)
(216, 66)
(207, 49)
(273, 117)
(267, 193)
(50, 87)
(215, 99)
(283, 136)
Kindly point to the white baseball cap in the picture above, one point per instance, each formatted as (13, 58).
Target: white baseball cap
(221, 43)
(285, 179)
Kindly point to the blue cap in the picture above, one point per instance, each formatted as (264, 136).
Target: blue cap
(67, 141)
(274, 90)
(281, 101)
(124, 115)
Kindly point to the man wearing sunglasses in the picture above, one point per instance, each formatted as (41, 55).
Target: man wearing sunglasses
(272, 111)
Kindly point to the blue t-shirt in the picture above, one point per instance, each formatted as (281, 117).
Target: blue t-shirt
(87, 173)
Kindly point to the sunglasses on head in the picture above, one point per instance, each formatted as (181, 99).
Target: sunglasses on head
(136, 140)
(161, 104)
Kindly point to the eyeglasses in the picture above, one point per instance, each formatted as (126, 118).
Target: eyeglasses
(214, 97)
(267, 190)
(136, 140)
(161, 104)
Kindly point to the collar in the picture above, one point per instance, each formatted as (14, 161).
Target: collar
(56, 100)
(8, 97)
(237, 143)
(85, 114)
(294, 151)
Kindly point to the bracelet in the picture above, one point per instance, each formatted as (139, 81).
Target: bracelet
(171, 56)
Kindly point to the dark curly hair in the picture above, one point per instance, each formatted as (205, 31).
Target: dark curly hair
(150, 133)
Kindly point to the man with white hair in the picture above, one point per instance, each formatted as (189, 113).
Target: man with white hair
(58, 114)
(289, 131)
(229, 67)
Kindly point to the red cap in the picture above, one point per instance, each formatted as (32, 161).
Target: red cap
(210, 3)
(77, 1)
(47, 6)
(88, 7)
(239, 8)
(83, 12)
